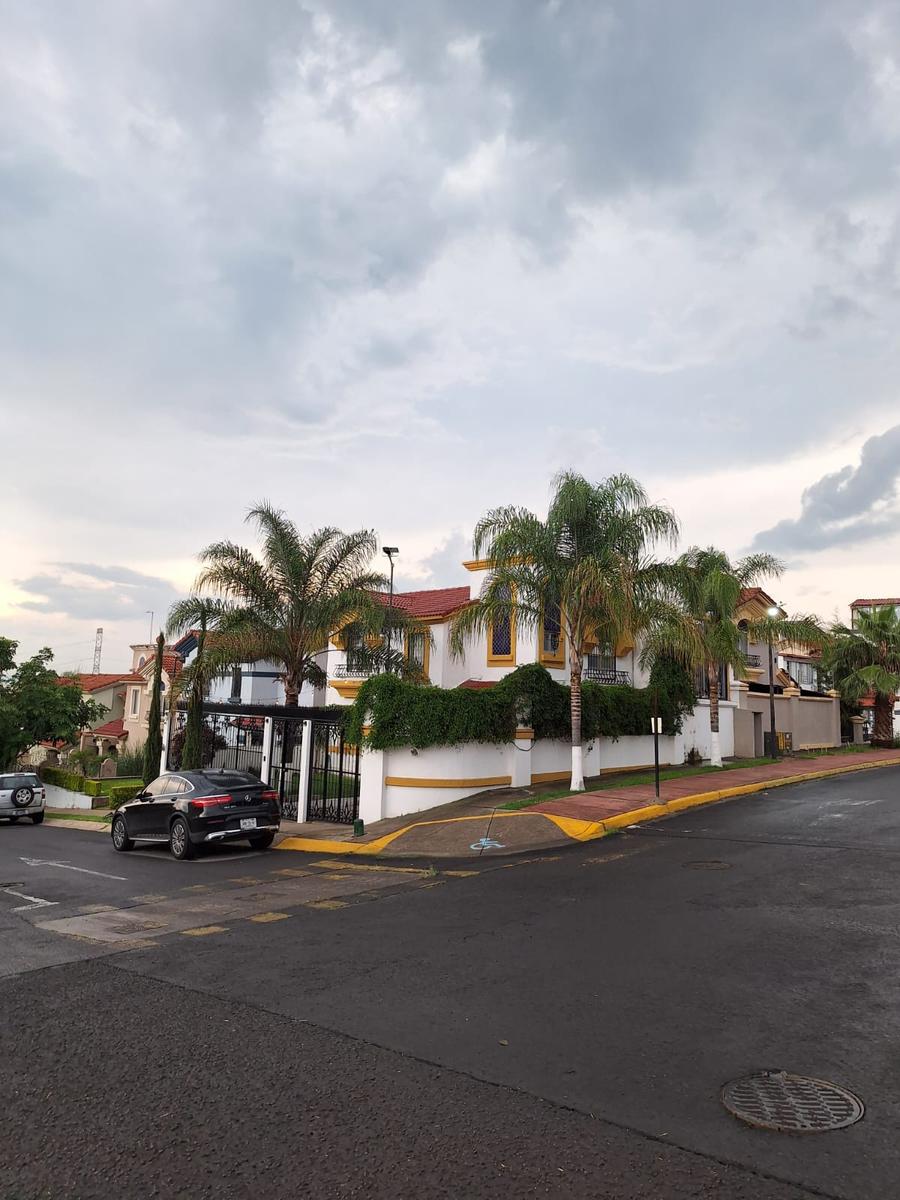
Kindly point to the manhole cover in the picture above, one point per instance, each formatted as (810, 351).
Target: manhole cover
(791, 1103)
(709, 864)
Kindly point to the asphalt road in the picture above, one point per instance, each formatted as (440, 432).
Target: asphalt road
(561, 1026)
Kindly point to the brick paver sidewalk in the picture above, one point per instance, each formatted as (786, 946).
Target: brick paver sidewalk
(609, 802)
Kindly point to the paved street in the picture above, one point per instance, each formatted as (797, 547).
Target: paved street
(555, 1026)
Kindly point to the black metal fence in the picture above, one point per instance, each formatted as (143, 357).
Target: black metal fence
(233, 737)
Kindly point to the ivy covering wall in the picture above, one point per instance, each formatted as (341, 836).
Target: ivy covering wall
(396, 713)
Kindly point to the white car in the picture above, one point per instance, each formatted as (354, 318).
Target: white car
(21, 795)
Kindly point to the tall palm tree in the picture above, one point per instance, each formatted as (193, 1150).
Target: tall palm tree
(200, 613)
(865, 660)
(700, 627)
(284, 606)
(586, 564)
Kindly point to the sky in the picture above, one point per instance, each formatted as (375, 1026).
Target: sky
(390, 263)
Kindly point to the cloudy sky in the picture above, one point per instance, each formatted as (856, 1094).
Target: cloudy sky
(388, 263)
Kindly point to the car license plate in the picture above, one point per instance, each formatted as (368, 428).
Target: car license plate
(248, 822)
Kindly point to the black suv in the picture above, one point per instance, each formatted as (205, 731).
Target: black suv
(188, 809)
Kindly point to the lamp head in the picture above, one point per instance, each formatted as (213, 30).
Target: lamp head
(390, 551)
(773, 611)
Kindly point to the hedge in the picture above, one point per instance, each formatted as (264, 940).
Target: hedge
(71, 780)
(397, 713)
(121, 792)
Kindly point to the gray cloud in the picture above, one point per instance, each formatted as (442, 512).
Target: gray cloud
(851, 505)
(89, 591)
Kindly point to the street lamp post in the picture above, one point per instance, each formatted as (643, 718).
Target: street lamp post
(390, 551)
(772, 613)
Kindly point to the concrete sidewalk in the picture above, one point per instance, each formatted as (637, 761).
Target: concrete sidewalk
(458, 832)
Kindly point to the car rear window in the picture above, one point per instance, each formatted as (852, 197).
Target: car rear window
(11, 781)
(229, 781)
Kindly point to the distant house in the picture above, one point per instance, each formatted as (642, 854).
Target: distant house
(107, 734)
(136, 709)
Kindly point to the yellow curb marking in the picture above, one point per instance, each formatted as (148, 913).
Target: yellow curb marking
(325, 903)
(203, 930)
(265, 918)
(458, 874)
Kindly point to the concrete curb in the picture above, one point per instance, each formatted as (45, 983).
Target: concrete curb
(576, 829)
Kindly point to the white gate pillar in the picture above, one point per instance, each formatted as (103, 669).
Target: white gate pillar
(163, 758)
(306, 748)
(265, 768)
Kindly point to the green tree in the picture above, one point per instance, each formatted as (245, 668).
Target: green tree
(586, 568)
(153, 744)
(284, 606)
(38, 705)
(865, 661)
(200, 613)
(700, 626)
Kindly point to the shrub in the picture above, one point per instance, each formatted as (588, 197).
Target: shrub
(88, 761)
(130, 764)
(120, 792)
(70, 780)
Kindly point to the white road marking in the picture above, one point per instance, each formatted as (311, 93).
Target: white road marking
(34, 901)
(46, 862)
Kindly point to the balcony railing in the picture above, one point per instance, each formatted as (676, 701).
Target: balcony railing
(350, 670)
(600, 675)
(752, 660)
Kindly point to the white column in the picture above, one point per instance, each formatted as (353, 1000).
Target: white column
(265, 769)
(371, 784)
(165, 743)
(519, 758)
(306, 747)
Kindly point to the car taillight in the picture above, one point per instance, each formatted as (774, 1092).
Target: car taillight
(269, 796)
(209, 802)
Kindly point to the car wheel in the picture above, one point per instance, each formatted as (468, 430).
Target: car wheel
(37, 817)
(262, 841)
(120, 838)
(23, 796)
(180, 839)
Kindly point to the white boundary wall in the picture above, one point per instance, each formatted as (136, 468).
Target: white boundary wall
(396, 782)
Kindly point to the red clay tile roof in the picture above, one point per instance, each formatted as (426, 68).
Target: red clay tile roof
(96, 683)
(888, 600)
(434, 602)
(756, 593)
(111, 728)
(171, 661)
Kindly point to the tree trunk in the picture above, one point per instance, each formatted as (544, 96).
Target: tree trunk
(291, 691)
(883, 730)
(715, 750)
(577, 784)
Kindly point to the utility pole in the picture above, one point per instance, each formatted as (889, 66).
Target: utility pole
(773, 741)
(98, 646)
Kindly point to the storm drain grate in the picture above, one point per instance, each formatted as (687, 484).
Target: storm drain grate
(707, 864)
(791, 1103)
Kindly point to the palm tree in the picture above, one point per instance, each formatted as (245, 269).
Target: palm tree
(153, 744)
(585, 567)
(700, 626)
(200, 613)
(865, 660)
(284, 606)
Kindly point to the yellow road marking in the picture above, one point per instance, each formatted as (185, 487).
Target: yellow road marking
(150, 898)
(265, 918)
(243, 879)
(337, 877)
(203, 930)
(348, 866)
(453, 874)
(293, 872)
(325, 903)
(196, 887)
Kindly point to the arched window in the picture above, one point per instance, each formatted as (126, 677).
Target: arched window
(141, 661)
(743, 642)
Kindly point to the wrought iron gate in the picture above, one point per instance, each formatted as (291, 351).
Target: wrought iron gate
(287, 764)
(333, 776)
(229, 740)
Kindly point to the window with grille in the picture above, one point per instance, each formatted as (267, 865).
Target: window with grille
(551, 635)
(415, 650)
(805, 674)
(501, 638)
(701, 683)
